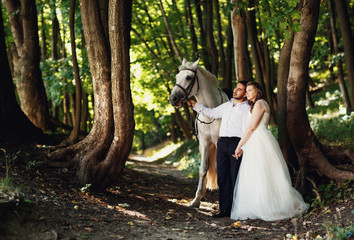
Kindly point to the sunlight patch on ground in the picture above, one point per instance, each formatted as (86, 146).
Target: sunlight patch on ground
(122, 207)
(162, 153)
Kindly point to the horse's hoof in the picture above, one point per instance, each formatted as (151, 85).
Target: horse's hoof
(195, 204)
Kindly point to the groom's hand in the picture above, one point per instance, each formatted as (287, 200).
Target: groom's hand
(191, 102)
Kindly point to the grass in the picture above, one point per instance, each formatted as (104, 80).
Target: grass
(329, 120)
(7, 187)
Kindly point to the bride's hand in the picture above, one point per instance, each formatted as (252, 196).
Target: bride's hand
(238, 153)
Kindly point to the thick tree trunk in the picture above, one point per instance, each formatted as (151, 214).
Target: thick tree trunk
(341, 81)
(12, 119)
(102, 154)
(283, 136)
(24, 27)
(341, 6)
(242, 68)
(304, 141)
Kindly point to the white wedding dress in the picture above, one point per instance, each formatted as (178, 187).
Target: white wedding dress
(263, 187)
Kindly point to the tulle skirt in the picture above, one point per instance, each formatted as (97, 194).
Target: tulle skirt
(263, 188)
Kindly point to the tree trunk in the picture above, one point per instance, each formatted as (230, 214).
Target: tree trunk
(242, 68)
(84, 112)
(341, 81)
(227, 81)
(12, 119)
(210, 36)
(170, 35)
(24, 27)
(190, 24)
(283, 135)
(220, 41)
(255, 46)
(43, 37)
(55, 33)
(102, 154)
(203, 39)
(74, 136)
(301, 135)
(341, 6)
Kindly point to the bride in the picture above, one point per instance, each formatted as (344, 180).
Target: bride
(263, 188)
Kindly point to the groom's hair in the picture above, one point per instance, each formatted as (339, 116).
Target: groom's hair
(244, 83)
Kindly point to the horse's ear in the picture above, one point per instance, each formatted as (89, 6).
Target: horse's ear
(195, 64)
(184, 61)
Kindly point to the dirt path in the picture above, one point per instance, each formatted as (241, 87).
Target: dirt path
(150, 202)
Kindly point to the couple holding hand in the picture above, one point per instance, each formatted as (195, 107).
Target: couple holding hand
(259, 186)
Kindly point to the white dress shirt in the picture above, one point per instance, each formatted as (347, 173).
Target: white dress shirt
(234, 119)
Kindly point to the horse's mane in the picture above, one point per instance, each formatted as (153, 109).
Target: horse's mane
(205, 72)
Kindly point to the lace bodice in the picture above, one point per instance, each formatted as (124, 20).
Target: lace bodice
(265, 118)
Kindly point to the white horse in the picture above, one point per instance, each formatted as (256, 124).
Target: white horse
(193, 80)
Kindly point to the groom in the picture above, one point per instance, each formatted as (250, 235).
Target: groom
(234, 120)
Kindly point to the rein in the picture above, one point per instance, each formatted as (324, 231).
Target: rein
(197, 118)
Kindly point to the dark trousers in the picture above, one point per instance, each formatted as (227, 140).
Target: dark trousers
(227, 169)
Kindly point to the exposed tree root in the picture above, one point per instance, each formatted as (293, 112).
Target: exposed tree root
(337, 157)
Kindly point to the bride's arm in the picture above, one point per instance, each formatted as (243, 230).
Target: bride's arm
(256, 117)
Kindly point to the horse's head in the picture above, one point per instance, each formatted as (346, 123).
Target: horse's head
(186, 83)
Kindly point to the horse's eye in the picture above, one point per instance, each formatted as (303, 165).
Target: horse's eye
(188, 77)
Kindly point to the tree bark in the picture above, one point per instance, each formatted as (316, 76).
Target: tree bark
(12, 119)
(341, 6)
(242, 68)
(30, 87)
(102, 154)
(301, 135)
(283, 135)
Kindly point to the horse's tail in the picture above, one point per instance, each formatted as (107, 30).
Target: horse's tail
(211, 177)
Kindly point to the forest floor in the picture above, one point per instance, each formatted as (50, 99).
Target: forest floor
(150, 202)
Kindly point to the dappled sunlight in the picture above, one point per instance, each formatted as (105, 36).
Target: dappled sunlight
(160, 154)
(122, 208)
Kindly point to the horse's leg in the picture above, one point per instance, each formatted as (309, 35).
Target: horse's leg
(204, 147)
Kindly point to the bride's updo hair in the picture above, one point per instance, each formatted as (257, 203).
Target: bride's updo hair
(259, 90)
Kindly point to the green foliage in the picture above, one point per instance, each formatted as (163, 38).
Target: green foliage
(58, 78)
(328, 193)
(336, 230)
(6, 185)
(278, 17)
(329, 120)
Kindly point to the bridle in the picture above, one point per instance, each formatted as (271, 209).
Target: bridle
(188, 90)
